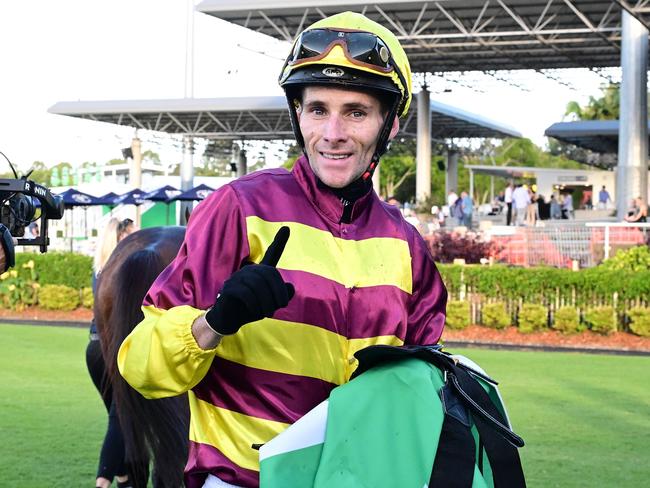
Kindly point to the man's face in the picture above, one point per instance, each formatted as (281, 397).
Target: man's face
(340, 129)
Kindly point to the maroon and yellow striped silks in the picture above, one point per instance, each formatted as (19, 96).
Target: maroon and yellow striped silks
(368, 282)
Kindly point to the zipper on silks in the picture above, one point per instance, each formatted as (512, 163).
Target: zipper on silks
(349, 362)
(346, 217)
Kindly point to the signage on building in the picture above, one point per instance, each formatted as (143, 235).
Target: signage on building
(563, 179)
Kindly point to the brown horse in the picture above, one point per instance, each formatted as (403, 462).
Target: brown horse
(155, 430)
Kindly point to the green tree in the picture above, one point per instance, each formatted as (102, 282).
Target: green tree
(40, 173)
(397, 169)
(217, 157)
(151, 156)
(219, 154)
(605, 107)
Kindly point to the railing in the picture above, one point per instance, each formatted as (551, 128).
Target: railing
(612, 228)
(567, 244)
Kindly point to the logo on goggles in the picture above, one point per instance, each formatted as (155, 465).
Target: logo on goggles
(333, 72)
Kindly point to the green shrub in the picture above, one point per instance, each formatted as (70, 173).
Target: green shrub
(457, 314)
(495, 315)
(532, 317)
(87, 297)
(19, 287)
(633, 259)
(640, 321)
(58, 297)
(59, 268)
(545, 284)
(567, 320)
(451, 277)
(601, 320)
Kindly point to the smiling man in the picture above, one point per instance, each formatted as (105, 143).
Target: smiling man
(340, 129)
(330, 268)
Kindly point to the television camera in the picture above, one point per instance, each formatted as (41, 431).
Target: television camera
(22, 202)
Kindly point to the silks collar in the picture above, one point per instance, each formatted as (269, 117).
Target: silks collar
(325, 199)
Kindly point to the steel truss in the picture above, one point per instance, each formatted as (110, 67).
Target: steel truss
(467, 35)
(259, 123)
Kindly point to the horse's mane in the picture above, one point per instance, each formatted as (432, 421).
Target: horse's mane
(152, 429)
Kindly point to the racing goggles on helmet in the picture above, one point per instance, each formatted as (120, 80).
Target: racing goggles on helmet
(361, 48)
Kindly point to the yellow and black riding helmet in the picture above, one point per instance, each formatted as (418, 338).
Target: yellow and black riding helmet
(350, 50)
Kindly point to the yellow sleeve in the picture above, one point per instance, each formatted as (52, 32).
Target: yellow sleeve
(160, 357)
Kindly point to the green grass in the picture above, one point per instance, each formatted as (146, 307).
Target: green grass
(52, 419)
(585, 418)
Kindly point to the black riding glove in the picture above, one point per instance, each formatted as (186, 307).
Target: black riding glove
(254, 292)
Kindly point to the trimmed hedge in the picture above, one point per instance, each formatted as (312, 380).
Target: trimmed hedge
(87, 297)
(544, 284)
(567, 320)
(532, 317)
(601, 320)
(640, 321)
(457, 314)
(495, 315)
(58, 297)
(60, 268)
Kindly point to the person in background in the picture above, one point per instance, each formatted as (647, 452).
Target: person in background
(520, 200)
(531, 208)
(124, 228)
(451, 198)
(603, 198)
(394, 201)
(508, 200)
(467, 206)
(567, 206)
(555, 212)
(456, 213)
(640, 213)
(438, 218)
(111, 458)
(32, 231)
(586, 202)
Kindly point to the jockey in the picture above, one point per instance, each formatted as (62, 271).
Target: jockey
(283, 276)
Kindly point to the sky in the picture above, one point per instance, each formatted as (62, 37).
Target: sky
(68, 50)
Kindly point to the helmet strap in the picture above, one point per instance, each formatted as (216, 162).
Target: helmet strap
(293, 116)
(382, 141)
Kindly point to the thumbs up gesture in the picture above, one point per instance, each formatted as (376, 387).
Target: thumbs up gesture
(252, 293)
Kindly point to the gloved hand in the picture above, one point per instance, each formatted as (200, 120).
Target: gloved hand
(252, 293)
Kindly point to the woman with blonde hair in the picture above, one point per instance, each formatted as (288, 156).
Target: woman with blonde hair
(112, 455)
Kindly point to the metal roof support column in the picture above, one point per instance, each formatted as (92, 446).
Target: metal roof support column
(451, 177)
(632, 170)
(187, 175)
(242, 165)
(136, 174)
(423, 155)
(471, 184)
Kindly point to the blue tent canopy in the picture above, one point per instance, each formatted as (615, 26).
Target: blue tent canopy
(197, 193)
(163, 194)
(107, 199)
(133, 197)
(76, 198)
